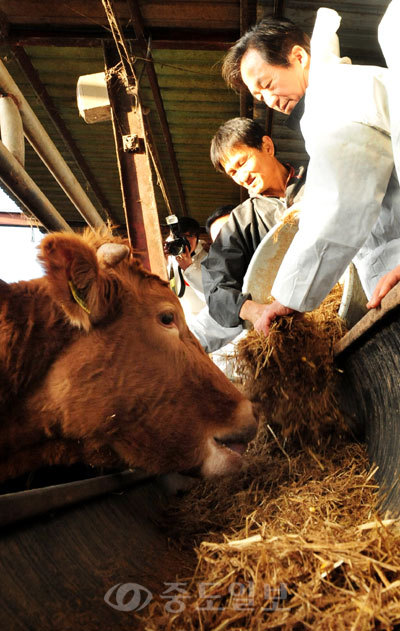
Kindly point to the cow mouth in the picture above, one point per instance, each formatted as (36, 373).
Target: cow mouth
(237, 448)
(235, 443)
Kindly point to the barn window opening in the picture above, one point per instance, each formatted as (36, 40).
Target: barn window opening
(19, 240)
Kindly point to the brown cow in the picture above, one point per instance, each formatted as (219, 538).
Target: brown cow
(97, 365)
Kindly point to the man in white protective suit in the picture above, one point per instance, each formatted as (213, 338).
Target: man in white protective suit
(351, 119)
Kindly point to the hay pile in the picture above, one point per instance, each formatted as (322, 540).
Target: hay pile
(291, 374)
(291, 543)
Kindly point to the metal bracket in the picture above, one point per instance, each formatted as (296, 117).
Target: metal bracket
(133, 144)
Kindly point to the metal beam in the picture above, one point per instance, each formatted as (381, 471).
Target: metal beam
(18, 219)
(16, 180)
(162, 38)
(27, 504)
(151, 74)
(48, 152)
(47, 102)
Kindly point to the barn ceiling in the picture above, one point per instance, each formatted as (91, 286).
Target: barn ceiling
(46, 46)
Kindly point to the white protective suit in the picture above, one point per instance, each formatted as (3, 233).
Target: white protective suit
(388, 34)
(351, 203)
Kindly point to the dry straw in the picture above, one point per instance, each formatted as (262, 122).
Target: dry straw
(292, 542)
(290, 372)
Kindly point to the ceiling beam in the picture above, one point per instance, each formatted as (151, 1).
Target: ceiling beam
(152, 77)
(47, 102)
(162, 38)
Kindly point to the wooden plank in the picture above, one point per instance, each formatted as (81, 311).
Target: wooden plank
(155, 88)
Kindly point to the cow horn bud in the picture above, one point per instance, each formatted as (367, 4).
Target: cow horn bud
(112, 253)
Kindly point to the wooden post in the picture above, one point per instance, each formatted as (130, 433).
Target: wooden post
(134, 164)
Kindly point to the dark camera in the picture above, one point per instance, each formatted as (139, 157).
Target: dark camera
(178, 244)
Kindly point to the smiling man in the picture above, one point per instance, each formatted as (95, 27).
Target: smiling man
(351, 205)
(242, 150)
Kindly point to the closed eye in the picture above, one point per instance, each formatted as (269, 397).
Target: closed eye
(238, 165)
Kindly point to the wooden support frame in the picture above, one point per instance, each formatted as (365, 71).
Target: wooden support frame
(134, 166)
(152, 77)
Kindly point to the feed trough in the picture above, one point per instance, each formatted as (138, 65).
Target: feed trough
(369, 356)
(84, 554)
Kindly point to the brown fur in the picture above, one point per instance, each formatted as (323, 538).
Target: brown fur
(113, 387)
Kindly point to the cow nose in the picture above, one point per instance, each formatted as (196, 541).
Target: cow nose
(246, 417)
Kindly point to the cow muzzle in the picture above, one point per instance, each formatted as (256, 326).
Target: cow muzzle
(225, 449)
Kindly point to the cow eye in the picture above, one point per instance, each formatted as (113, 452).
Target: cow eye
(167, 318)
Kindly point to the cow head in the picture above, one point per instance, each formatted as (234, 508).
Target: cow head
(133, 387)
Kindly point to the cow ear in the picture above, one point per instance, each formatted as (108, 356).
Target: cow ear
(77, 283)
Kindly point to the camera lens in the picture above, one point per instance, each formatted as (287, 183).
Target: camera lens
(175, 247)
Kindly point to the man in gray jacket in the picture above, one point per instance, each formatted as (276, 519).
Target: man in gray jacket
(242, 150)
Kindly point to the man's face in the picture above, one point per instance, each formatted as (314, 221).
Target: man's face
(279, 87)
(192, 238)
(252, 168)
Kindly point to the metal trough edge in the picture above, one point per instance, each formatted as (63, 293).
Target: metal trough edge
(389, 302)
(25, 504)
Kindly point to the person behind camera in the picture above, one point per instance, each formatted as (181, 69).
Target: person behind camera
(183, 265)
(185, 252)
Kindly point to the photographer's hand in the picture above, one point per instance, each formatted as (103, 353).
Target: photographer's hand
(184, 259)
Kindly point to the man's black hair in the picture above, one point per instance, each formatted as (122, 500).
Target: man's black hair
(221, 211)
(190, 226)
(234, 132)
(273, 38)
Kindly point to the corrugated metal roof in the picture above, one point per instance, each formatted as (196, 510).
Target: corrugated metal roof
(187, 40)
(196, 102)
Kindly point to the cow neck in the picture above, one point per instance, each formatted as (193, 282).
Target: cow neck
(32, 451)
(34, 331)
